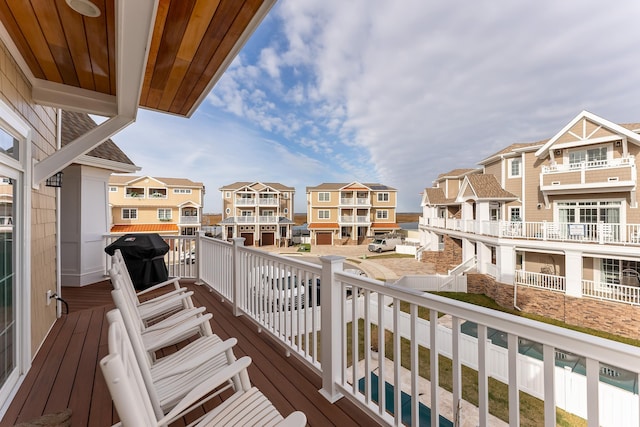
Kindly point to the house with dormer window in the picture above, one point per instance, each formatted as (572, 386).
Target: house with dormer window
(559, 215)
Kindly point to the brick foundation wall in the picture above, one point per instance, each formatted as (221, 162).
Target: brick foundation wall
(616, 318)
(447, 259)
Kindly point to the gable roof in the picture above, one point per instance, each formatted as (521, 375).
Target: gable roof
(335, 186)
(483, 187)
(256, 186)
(169, 182)
(511, 150)
(434, 196)
(597, 120)
(77, 124)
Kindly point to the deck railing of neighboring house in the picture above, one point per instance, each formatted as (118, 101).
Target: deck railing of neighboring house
(540, 280)
(303, 304)
(600, 232)
(611, 292)
(595, 164)
(189, 219)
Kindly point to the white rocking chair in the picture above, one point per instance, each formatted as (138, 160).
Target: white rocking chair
(175, 328)
(134, 403)
(150, 309)
(170, 378)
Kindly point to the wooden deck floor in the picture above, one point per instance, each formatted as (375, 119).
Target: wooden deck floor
(65, 373)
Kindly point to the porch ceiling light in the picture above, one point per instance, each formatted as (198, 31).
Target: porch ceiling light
(54, 180)
(84, 7)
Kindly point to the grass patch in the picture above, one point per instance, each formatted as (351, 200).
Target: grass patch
(390, 255)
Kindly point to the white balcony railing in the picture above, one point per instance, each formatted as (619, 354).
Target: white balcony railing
(357, 219)
(595, 164)
(303, 304)
(267, 201)
(540, 280)
(246, 201)
(611, 292)
(600, 232)
(189, 219)
(267, 219)
(354, 201)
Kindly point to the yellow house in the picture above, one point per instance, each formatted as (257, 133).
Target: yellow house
(348, 213)
(144, 204)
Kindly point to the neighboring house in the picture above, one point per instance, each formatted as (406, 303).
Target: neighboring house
(145, 204)
(84, 198)
(348, 213)
(262, 213)
(560, 214)
(53, 58)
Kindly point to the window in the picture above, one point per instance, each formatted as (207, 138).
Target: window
(182, 191)
(164, 214)
(15, 280)
(129, 213)
(285, 195)
(514, 214)
(383, 197)
(323, 214)
(382, 214)
(324, 197)
(597, 154)
(227, 211)
(514, 168)
(113, 189)
(227, 194)
(494, 211)
(285, 211)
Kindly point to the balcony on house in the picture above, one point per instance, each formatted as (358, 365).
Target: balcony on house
(362, 323)
(134, 192)
(598, 233)
(357, 199)
(607, 175)
(268, 200)
(246, 201)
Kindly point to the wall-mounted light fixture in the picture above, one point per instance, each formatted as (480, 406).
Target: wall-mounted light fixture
(84, 7)
(54, 180)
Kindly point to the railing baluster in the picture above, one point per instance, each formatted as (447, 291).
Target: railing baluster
(435, 376)
(483, 377)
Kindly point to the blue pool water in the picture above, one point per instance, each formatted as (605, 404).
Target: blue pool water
(424, 413)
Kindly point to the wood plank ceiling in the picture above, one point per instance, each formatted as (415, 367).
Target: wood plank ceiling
(191, 43)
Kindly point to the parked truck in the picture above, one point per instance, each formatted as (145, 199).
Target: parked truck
(383, 244)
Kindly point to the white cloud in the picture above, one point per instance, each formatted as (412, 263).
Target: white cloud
(399, 92)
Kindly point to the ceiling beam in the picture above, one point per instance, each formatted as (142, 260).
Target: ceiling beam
(134, 29)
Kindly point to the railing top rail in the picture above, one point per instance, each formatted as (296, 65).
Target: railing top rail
(624, 355)
(313, 268)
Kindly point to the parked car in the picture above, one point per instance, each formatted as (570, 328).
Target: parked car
(279, 288)
(384, 244)
(188, 257)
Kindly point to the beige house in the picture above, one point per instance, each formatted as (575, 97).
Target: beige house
(145, 204)
(261, 213)
(348, 213)
(560, 214)
(108, 61)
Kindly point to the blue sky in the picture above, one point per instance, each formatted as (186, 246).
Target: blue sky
(396, 92)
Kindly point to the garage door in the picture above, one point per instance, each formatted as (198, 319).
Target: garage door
(248, 238)
(267, 239)
(323, 238)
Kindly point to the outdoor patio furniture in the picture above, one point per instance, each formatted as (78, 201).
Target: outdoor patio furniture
(629, 277)
(160, 306)
(135, 405)
(175, 328)
(170, 378)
